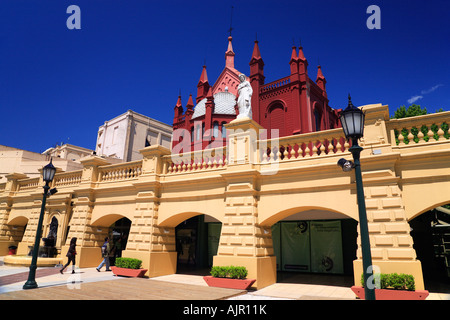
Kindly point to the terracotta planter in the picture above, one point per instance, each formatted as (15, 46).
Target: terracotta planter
(388, 294)
(229, 283)
(125, 272)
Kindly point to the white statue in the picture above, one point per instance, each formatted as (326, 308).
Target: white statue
(245, 98)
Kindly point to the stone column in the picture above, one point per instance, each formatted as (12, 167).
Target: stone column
(154, 245)
(390, 239)
(243, 242)
(89, 238)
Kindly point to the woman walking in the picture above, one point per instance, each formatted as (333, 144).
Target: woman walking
(71, 253)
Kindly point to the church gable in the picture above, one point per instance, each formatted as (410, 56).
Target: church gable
(228, 78)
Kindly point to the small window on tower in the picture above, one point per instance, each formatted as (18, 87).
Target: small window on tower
(216, 129)
(224, 130)
(317, 118)
(198, 133)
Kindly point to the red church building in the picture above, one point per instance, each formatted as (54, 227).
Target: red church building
(294, 104)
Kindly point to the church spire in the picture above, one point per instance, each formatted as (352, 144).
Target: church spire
(256, 54)
(301, 56)
(229, 54)
(190, 103)
(294, 56)
(302, 62)
(178, 109)
(257, 63)
(294, 60)
(203, 76)
(319, 73)
(202, 86)
(320, 80)
(178, 102)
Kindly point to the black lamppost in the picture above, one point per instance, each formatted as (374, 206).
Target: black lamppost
(48, 174)
(352, 120)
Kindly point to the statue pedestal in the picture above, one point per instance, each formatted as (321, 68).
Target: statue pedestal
(243, 136)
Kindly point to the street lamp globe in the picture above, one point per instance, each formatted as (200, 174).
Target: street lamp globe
(48, 172)
(352, 120)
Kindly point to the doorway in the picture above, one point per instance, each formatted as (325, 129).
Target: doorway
(431, 235)
(315, 246)
(197, 241)
(118, 234)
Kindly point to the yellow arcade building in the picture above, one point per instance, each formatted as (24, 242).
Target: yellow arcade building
(292, 209)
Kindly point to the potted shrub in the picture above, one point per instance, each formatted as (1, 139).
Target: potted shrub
(232, 277)
(393, 286)
(128, 267)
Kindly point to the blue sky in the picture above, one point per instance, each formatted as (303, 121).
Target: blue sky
(59, 85)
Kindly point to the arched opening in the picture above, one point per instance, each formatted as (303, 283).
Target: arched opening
(197, 241)
(17, 227)
(215, 129)
(117, 228)
(52, 232)
(431, 236)
(315, 246)
(277, 119)
(318, 119)
(118, 234)
(197, 133)
(224, 130)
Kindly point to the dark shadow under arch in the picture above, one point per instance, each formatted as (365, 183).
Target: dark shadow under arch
(197, 240)
(430, 232)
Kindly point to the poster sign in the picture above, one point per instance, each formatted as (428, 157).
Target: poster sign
(295, 246)
(326, 247)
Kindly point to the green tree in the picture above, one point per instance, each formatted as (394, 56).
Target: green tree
(411, 111)
(416, 110)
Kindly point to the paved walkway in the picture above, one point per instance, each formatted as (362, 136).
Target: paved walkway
(87, 283)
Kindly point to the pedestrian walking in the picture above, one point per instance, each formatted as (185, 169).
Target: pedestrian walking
(71, 253)
(118, 247)
(191, 252)
(106, 248)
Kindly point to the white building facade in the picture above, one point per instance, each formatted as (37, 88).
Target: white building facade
(123, 136)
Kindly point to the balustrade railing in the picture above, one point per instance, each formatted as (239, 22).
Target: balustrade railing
(67, 179)
(28, 184)
(275, 84)
(420, 129)
(195, 161)
(121, 171)
(314, 144)
(408, 131)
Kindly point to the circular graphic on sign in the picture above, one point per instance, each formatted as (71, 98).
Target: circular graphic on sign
(327, 262)
(302, 226)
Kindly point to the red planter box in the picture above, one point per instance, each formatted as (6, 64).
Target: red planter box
(387, 294)
(229, 283)
(128, 272)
